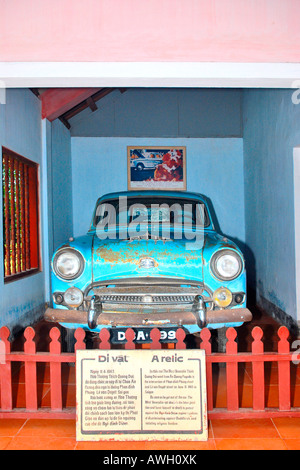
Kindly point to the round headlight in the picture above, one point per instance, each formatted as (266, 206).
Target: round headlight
(68, 264)
(73, 297)
(226, 265)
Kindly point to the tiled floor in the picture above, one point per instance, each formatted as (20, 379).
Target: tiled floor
(244, 434)
(277, 433)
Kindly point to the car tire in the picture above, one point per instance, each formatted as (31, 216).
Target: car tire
(221, 342)
(68, 342)
(140, 167)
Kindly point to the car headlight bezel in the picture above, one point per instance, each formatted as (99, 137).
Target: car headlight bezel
(216, 259)
(71, 252)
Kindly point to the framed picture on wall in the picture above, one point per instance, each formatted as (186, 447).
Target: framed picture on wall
(156, 168)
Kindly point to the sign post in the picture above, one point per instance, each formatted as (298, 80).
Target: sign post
(141, 395)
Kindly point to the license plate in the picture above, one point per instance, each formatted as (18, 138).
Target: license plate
(142, 335)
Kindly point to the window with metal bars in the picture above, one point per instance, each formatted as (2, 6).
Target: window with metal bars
(20, 216)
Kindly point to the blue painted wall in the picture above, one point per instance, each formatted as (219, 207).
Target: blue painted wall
(248, 178)
(21, 301)
(72, 179)
(201, 119)
(261, 213)
(57, 197)
(214, 168)
(60, 184)
(271, 130)
(49, 144)
(142, 112)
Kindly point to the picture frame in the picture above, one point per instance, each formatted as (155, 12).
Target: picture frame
(156, 168)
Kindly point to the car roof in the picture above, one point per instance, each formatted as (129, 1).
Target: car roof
(154, 193)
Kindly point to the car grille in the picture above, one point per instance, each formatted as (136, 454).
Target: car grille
(147, 299)
(146, 293)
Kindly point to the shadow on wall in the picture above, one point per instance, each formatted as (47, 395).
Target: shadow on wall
(248, 255)
(255, 288)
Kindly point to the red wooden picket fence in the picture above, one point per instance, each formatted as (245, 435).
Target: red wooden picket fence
(30, 357)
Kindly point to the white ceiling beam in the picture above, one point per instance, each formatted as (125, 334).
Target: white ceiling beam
(149, 74)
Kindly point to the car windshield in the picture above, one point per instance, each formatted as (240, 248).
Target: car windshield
(144, 210)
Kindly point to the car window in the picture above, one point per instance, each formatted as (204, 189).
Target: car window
(175, 211)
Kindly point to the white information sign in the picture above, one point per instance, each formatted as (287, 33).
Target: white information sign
(141, 395)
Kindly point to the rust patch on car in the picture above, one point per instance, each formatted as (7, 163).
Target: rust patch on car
(132, 254)
(114, 257)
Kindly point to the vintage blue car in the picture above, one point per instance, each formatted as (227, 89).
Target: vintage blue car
(150, 259)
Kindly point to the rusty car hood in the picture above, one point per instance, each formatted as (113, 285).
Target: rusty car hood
(113, 259)
(120, 259)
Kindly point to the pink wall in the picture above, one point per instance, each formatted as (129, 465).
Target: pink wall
(150, 30)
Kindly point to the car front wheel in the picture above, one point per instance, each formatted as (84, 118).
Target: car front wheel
(68, 340)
